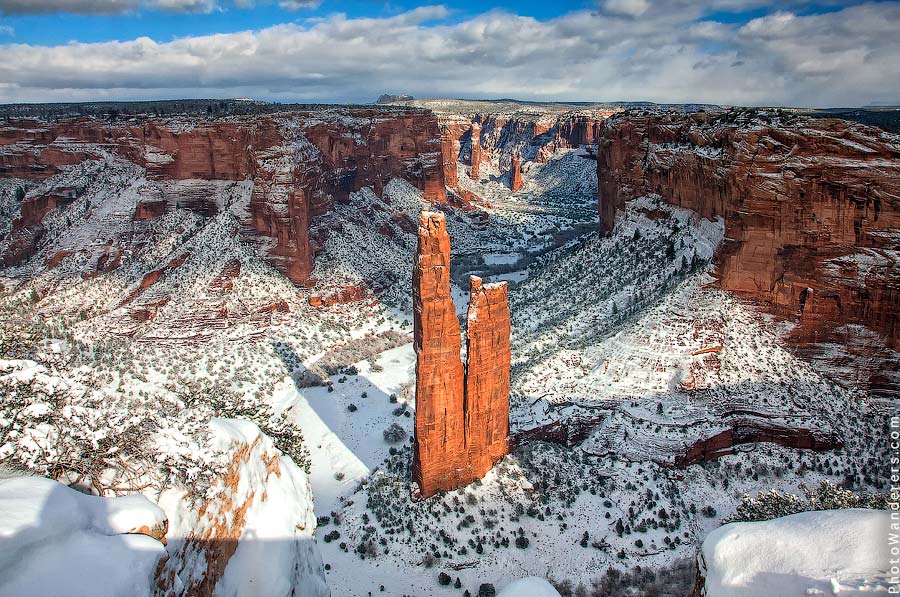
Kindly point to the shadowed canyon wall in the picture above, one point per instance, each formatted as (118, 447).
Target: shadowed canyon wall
(462, 414)
(300, 164)
(812, 218)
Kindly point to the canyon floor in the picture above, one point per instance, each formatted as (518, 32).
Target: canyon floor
(645, 402)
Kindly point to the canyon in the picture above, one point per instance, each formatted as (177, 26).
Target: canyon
(676, 346)
(812, 219)
(300, 164)
(462, 413)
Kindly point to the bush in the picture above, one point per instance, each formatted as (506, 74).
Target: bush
(352, 407)
(827, 496)
(522, 542)
(443, 579)
(487, 590)
(394, 433)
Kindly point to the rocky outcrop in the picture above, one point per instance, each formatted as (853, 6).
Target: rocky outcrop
(475, 155)
(487, 375)
(515, 174)
(811, 209)
(755, 431)
(260, 509)
(300, 164)
(462, 415)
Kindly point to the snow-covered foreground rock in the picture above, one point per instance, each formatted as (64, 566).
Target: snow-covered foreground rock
(827, 552)
(254, 532)
(57, 541)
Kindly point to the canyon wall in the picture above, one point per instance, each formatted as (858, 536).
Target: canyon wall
(812, 218)
(462, 414)
(300, 164)
(473, 138)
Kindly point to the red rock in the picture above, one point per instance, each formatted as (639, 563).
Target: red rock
(487, 375)
(355, 148)
(349, 294)
(439, 455)
(462, 421)
(57, 258)
(754, 431)
(148, 210)
(279, 306)
(801, 198)
(475, 155)
(515, 176)
(23, 245)
(225, 280)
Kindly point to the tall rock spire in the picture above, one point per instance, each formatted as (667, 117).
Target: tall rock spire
(462, 416)
(487, 375)
(439, 433)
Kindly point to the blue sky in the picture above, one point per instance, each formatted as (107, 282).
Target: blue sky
(162, 25)
(787, 52)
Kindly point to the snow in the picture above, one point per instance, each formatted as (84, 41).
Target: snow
(531, 586)
(264, 503)
(825, 552)
(57, 541)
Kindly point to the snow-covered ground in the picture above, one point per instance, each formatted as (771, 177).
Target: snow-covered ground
(827, 552)
(57, 541)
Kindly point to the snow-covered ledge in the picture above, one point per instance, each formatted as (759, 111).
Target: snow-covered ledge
(57, 541)
(826, 552)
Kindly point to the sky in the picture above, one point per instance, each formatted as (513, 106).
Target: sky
(823, 53)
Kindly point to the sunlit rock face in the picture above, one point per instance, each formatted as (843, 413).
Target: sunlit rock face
(462, 414)
(515, 174)
(812, 218)
(487, 375)
(300, 164)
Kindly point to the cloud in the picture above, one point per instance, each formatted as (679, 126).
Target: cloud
(7, 30)
(124, 6)
(845, 57)
(630, 8)
(293, 5)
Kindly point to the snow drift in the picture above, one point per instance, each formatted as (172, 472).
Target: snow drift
(57, 541)
(810, 553)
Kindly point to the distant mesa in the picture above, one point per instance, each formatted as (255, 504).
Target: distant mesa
(462, 412)
(389, 99)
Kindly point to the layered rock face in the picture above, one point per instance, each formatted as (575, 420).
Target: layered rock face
(502, 138)
(811, 209)
(462, 415)
(300, 164)
(487, 375)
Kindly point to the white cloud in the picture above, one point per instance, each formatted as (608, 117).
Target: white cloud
(123, 6)
(629, 8)
(7, 30)
(847, 57)
(299, 4)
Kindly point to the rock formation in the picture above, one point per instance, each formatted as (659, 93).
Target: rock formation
(515, 174)
(300, 164)
(475, 151)
(462, 415)
(812, 217)
(487, 375)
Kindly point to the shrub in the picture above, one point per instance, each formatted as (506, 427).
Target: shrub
(443, 579)
(394, 433)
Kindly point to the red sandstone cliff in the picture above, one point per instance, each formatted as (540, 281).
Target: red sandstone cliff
(811, 209)
(487, 375)
(462, 416)
(300, 163)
